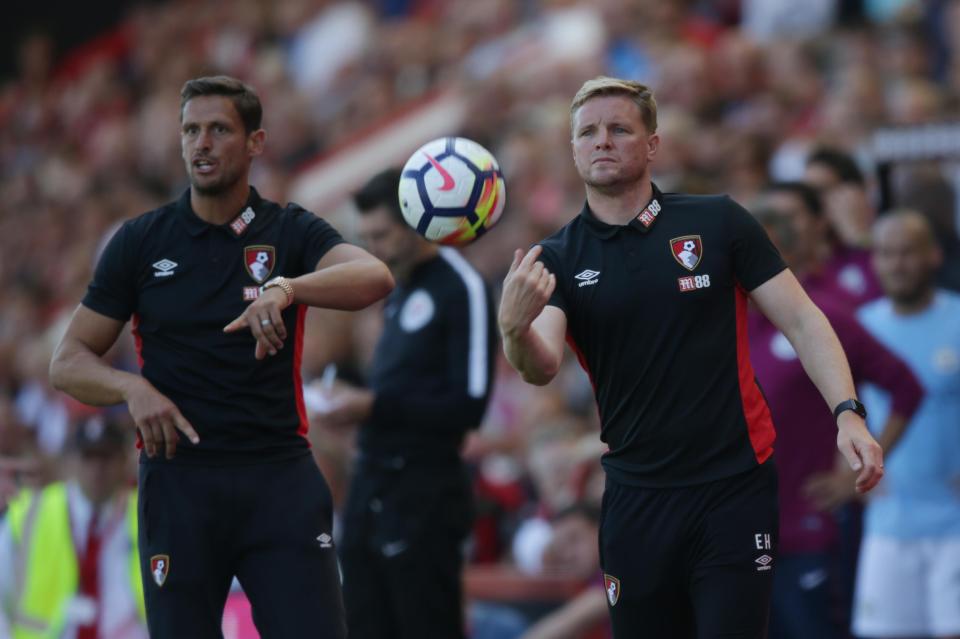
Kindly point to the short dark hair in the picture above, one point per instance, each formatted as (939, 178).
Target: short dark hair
(840, 162)
(244, 97)
(381, 190)
(806, 193)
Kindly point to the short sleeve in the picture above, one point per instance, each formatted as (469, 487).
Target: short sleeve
(552, 264)
(113, 291)
(318, 237)
(755, 258)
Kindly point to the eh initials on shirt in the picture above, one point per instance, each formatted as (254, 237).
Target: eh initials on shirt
(693, 282)
(764, 562)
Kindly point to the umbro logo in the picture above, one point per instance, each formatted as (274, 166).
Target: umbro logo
(764, 562)
(587, 277)
(164, 268)
(325, 540)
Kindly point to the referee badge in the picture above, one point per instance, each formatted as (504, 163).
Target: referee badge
(259, 260)
(612, 585)
(687, 250)
(159, 568)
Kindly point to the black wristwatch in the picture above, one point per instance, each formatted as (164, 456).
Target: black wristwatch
(850, 404)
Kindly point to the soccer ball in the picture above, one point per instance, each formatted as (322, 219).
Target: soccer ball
(689, 245)
(452, 191)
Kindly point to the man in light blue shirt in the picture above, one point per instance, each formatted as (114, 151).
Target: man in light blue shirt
(908, 582)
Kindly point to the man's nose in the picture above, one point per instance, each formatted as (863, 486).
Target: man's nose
(204, 140)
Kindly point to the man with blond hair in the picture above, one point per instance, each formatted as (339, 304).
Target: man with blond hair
(689, 530)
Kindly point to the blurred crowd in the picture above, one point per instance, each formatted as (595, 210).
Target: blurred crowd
(748, 92)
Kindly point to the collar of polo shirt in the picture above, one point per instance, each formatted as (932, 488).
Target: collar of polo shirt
(196, 226)
(644, 220)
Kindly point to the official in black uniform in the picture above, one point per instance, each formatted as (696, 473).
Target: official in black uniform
(409, 507)
(217, 284)
(650, 290)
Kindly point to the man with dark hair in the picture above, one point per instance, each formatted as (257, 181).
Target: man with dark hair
(243, 97)
(650, 289)
(410, 503)
(846, 203)
(827, 167)
(840, 272)
(243, 496)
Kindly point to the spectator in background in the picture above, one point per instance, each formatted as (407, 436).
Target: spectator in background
(75, 543)
(572, 552)
(843, 193)
(821, 264)
(409, 508)
(563, 466)
(908, 580)
(813, 481)
(925, 189)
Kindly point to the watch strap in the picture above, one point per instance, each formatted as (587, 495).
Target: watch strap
(283, 284)
(850, 404)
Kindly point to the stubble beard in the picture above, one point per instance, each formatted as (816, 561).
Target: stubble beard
(611, 184)
(912, 296)
(217, 187)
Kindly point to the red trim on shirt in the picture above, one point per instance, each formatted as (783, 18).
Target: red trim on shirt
(138, 344)
(583, 361)
(137, 340)
(297, 377)
(755, 409)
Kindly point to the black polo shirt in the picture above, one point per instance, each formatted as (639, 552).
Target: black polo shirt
(181, 280)
(656, 314)
(433, 366)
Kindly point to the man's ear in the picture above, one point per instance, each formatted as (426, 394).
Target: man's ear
(653, 145)
(255, 142)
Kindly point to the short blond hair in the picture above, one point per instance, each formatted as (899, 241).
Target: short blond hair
(641, 94)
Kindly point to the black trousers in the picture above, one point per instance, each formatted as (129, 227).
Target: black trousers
(695, 561)
(269, 525)
(402, 552)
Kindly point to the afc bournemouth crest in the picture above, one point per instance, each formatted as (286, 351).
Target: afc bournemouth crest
(159, 568)
(612, 585)
(687, 251)
(259, 260)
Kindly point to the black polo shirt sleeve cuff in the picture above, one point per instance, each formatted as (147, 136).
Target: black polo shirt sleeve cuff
(319, 238)
(112, 292)
(552, 264)
(755, 258)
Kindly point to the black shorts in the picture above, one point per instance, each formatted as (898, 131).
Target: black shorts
(695, 561)
(269, 525)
